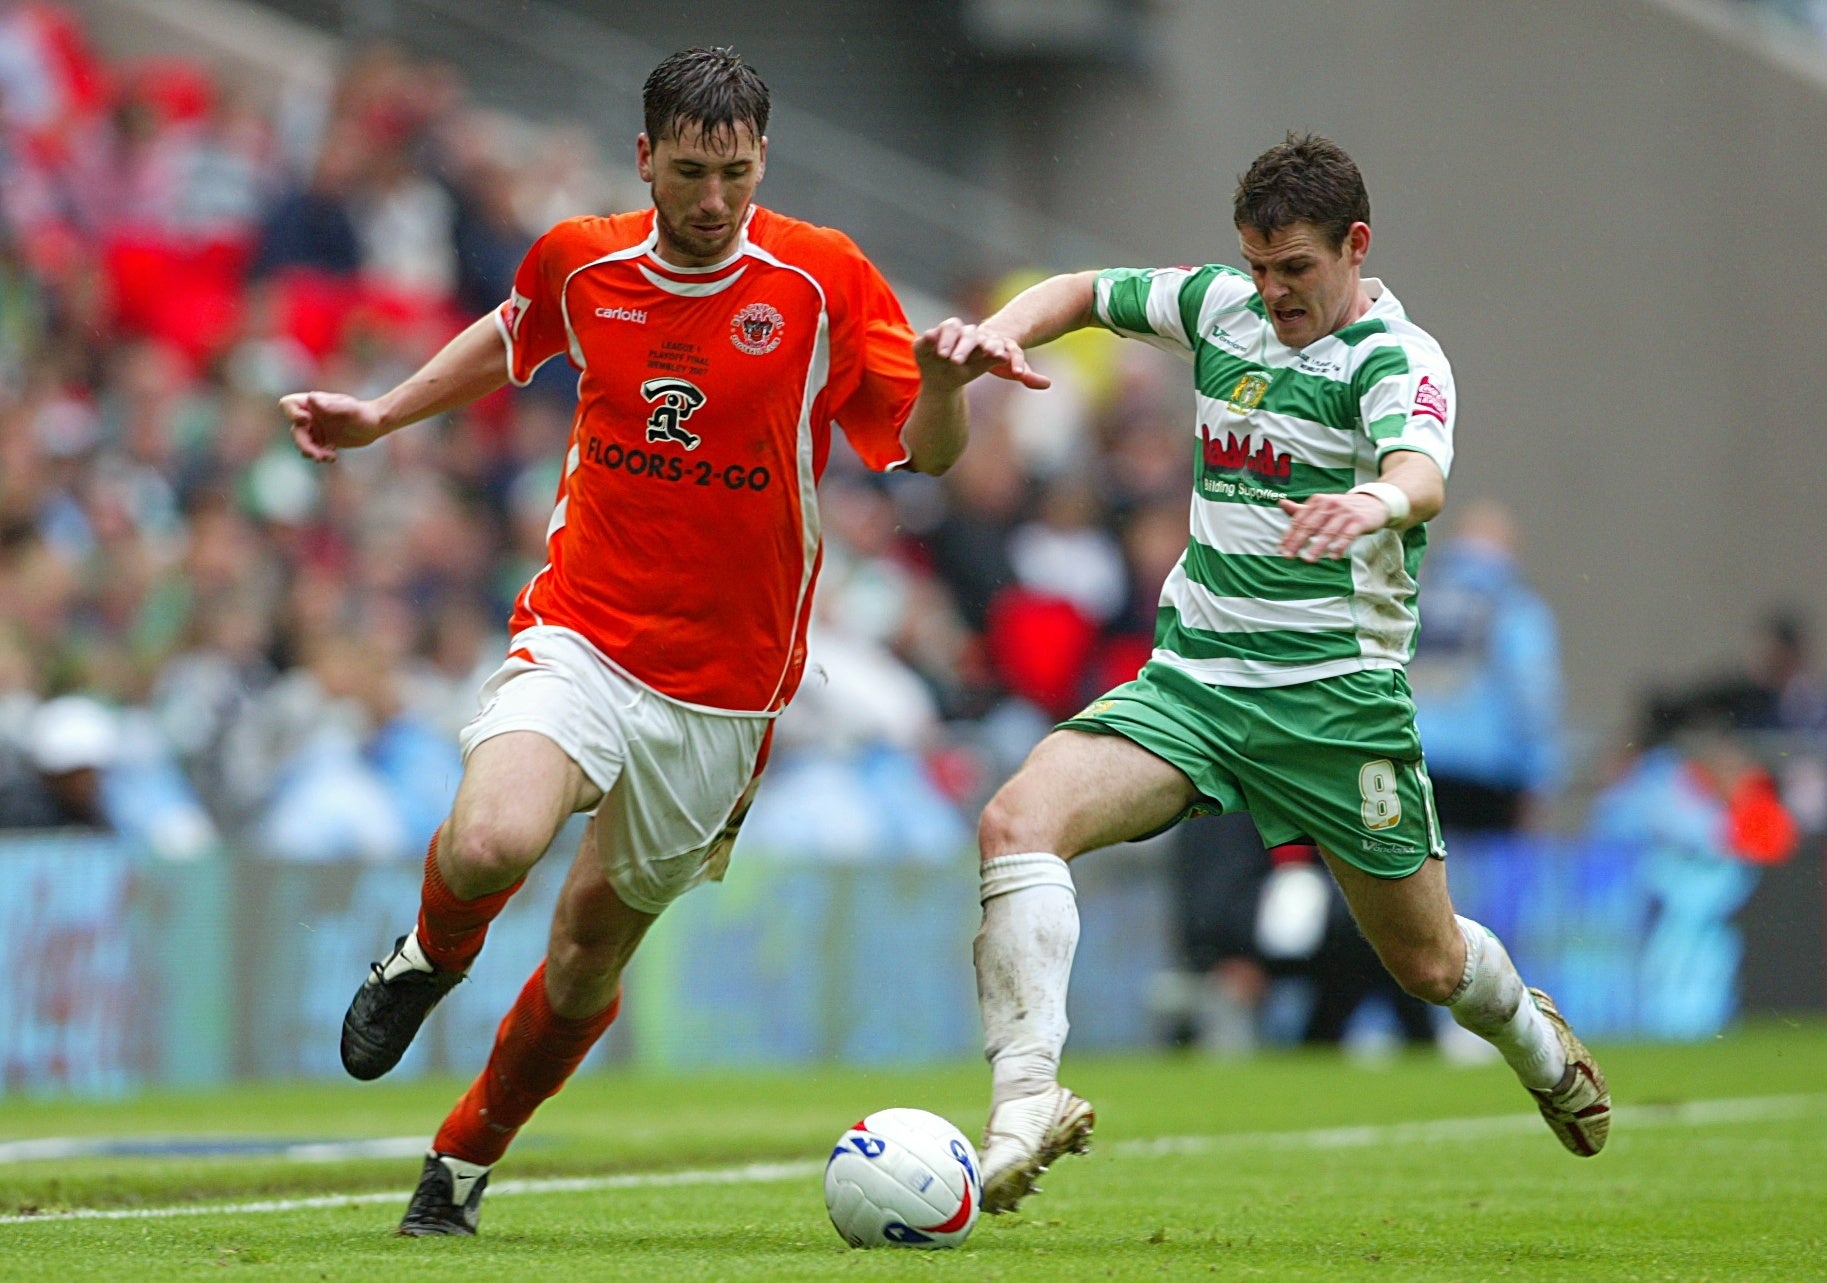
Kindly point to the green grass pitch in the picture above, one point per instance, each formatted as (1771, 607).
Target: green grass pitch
(1290, 1166)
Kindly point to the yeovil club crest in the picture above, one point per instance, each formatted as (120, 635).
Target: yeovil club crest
(1248, 391)
(756, 329)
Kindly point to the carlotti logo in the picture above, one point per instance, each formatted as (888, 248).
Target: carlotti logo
(1233, 455)
(756, 329)
(1430, 400)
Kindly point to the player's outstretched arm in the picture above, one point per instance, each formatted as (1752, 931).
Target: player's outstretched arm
(953, 353)
(1043, 312)
(470, 366)
(1409, 490)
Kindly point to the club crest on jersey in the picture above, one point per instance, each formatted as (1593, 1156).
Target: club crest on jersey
(1247, 393)
(1430, 400)
(757, 328)
(674, 401)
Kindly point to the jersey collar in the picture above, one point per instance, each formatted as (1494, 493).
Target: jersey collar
(652, 250)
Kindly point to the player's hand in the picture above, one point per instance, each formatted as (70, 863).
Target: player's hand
(961, 352)
(324, 422)
(1326, 525)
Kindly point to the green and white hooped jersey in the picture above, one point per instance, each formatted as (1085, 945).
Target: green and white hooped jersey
(1273, 423)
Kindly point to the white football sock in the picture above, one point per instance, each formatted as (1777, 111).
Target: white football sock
(1024, 961)
(1492, 1002)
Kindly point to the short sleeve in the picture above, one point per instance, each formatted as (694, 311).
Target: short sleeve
(875, 378)
(532, 321)
(1406, 399)
(1163, 305)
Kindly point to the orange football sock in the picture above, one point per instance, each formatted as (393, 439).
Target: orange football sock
(536, 1050)
(451, 931)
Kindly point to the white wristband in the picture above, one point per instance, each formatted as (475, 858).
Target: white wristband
(1394, 498)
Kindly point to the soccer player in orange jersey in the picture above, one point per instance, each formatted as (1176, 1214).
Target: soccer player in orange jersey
(717, 344)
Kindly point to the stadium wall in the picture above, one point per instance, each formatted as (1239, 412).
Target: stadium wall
(1611, 215)
(123, 972)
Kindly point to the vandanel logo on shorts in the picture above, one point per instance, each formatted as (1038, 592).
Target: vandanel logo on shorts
(757, 328)
(674, 401)
(1248, 391)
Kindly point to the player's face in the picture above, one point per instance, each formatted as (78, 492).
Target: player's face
(701, 189)
(1309, 288)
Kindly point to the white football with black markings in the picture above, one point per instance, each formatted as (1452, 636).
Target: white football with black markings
(903, 1178)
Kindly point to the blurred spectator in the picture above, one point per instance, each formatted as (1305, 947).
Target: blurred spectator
(1067, 552)
(355, 773)
(986, 496)
(311, 226)
(1486, 678)
(1708, 816)
(71, 742)
(1219, 867)
(1778, 689)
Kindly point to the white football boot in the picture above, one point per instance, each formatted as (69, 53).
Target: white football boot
(1578, 1108)
(1024, 1137)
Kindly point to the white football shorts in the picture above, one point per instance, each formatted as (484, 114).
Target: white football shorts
(677, 781)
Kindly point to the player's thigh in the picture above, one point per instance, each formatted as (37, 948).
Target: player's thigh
(1079, 791)
(518, 789)
(1409, 921)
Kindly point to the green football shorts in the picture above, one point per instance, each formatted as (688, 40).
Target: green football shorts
(1336, 762)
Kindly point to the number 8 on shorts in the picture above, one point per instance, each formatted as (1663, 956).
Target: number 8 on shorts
(1382, 806)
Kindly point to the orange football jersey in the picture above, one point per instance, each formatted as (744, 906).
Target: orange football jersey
(685, 540)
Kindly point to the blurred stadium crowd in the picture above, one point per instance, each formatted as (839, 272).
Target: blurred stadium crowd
(206, 641)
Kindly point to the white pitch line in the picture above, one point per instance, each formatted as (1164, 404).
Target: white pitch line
(747, 1174)
(307, 1151)
(1699, 1113)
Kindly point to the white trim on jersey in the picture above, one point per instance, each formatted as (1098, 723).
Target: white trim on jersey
(507, 349)
(810, 526)
(690, 289)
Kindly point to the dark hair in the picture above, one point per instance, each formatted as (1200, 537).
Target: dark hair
(1306, 179)
(710, 88)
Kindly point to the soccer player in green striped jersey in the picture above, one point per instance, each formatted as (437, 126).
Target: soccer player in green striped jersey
(1323, 424)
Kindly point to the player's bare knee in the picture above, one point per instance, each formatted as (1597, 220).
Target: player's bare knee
(1009, 828)
(489, 851)
(1428, 975)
